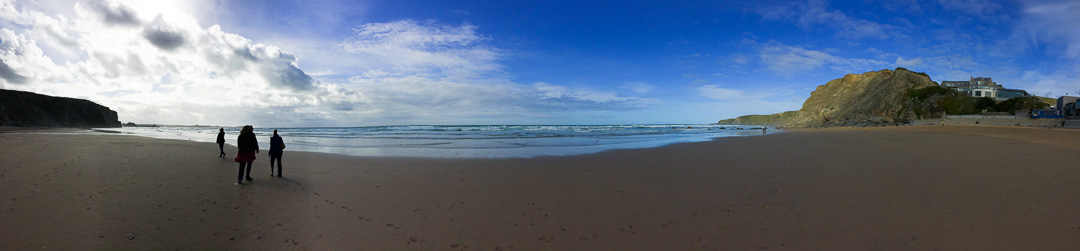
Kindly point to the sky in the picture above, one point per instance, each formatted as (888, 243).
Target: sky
(300, 63)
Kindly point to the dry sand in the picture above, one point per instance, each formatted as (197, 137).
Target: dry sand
(921, 187)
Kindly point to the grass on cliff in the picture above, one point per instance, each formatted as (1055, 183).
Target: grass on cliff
(1020, 103)
(783, 118)
(934, 101)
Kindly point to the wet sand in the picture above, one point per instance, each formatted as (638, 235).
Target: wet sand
(919, 187)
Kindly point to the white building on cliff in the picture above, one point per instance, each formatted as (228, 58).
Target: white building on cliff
(984, 87)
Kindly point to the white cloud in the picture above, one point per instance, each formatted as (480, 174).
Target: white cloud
(158, 64)
(911, 63)
(752, 101)
(1045, 23)
(168, 63)
(721, 94)
(424, 73)
(639, 87)
(1057, 83)
(739, 59)
(790, 60)
(981, 9)
(113, 13)
(410, 47)
(815, 14)
(562, 94)
(18, 53)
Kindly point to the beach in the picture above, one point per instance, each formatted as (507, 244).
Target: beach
(913, 187)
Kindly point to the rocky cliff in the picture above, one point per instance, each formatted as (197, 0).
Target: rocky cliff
(872, 98)
(868, 99)
(18, 108)
(779, 119)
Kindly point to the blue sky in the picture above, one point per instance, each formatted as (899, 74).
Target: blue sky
(355, 63)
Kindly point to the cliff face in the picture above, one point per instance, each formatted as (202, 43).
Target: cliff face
(872, 98)
(18, 108)
(868, 99)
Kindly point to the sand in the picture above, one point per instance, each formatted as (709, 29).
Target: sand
(919, 187)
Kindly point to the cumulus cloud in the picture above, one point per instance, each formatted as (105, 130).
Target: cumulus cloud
(132, 66)
(290, 76)
(23, 59)
(171, 69)
(424, 72)
(114, 13)
(10, 75)
(162, 35)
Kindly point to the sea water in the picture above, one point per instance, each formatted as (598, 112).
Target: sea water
(462, 141)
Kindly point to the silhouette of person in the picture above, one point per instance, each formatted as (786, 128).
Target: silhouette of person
(221, 142)
(247, 146)
(276, 145)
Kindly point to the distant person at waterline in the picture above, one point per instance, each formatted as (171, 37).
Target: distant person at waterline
(276, 145)
(221, 142)
(246, 147)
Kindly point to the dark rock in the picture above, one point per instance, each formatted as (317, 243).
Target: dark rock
(27, 109)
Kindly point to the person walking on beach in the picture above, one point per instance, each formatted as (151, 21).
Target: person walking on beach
(276, 145)
(247, 146)
(221, 142)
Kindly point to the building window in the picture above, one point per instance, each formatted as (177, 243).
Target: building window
(978, 93)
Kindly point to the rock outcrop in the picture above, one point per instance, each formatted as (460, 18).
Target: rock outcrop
(868, 99)
(18, 108)
(779, 119)
(872, 98)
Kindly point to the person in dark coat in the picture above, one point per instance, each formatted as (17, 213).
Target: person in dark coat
(276, 145)
(221, 142)
(247, 146)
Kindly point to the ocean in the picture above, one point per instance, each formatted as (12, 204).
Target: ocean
(462, 141)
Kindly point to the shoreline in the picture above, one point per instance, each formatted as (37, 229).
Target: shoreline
(918, 187)
(433, 143)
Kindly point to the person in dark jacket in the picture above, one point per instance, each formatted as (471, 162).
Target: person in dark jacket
(221, 142)
(276, 145)
(247, 146)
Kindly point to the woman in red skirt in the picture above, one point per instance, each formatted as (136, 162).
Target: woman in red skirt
(247, 146)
